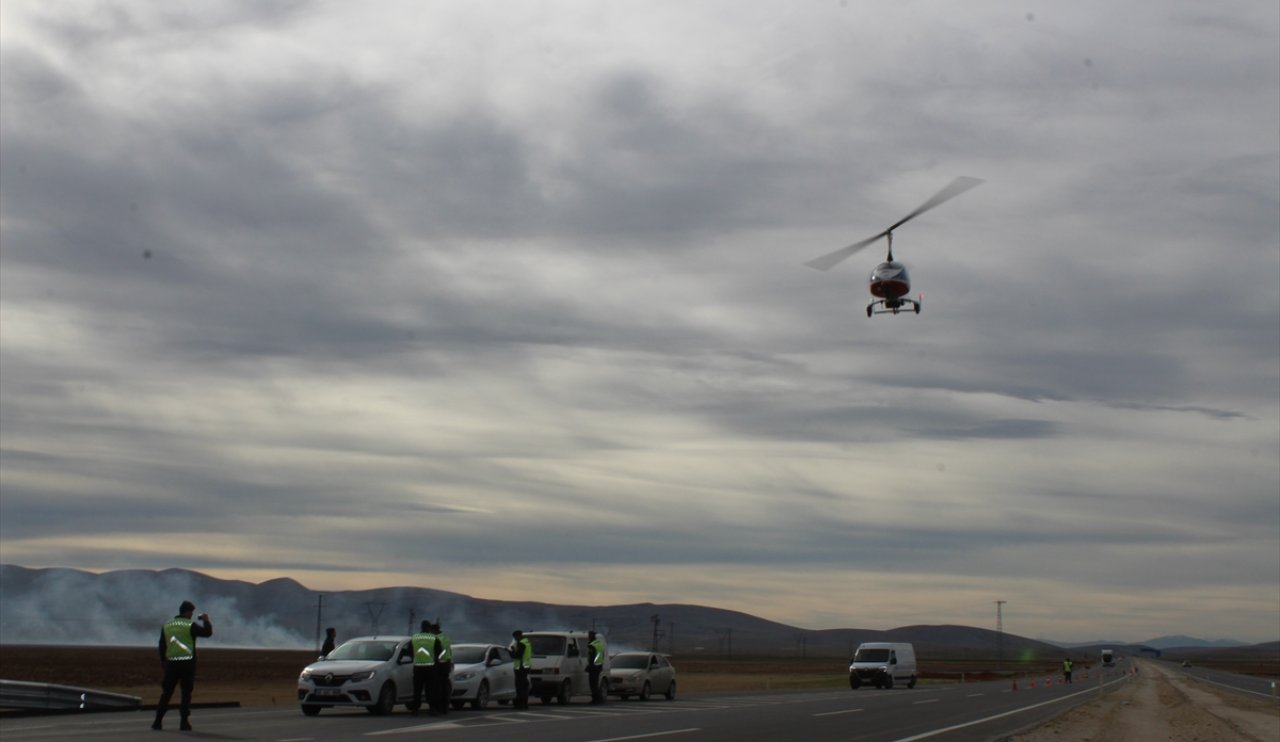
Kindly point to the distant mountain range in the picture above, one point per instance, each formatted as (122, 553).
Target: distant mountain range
(50, 606)
(1177, 641)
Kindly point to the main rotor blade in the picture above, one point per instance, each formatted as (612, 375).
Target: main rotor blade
(955, 188)
(832, 259)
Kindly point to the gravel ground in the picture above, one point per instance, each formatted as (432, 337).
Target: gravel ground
(1160, 705)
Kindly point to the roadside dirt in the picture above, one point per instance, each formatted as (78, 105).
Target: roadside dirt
(1159, 705)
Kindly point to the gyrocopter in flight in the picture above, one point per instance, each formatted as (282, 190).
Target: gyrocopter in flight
(889, 282)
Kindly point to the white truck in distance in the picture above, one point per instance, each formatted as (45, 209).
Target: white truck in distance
(882, 664)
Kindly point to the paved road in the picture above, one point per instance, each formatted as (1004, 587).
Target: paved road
(950, 713)
(1248, 684)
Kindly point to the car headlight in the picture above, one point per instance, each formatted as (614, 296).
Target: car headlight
(464, 676)
(304, 675)
(363, 675)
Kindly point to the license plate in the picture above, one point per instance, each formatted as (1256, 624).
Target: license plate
(327, 692)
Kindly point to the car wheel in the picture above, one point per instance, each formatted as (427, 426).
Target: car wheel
(310, 709)
(671, 691)
(482, 696)
(888, 682)
(644, 691)
(912, 682)
(386, 700)
(855, 682)
(566, 691)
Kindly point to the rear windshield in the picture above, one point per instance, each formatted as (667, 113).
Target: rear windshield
(547, 646)
(468, 655)
(872, 655)
(630, 662)
(364, 650)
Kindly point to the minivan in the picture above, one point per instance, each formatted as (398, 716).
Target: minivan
(882, 664)
(560, 666)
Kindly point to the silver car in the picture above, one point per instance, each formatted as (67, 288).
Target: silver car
(641, 674)
(481, 673)
(374, 672)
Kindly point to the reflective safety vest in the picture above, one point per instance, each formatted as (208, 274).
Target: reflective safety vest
(1066, 665)
(597, 652)
(445, 649)
(179, 643)
(522, 657)
(424, 649)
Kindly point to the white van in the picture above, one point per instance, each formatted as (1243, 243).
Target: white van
(882, 664)
(559, 667)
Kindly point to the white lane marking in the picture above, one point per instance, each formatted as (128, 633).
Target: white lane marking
(928, 700)
(977, 695)
(984, 720)
(418, 728)
(295, 739)
(833, 713)
(652, 734)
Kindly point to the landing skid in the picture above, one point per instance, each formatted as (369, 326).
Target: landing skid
(880, 306)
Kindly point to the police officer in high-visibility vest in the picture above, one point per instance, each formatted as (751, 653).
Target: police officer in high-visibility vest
(596, 654)
(178, 655)
(424, 669)
(1066, 669)
(522, 660)
(444, 668)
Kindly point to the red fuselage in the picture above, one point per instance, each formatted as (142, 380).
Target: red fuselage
(889, 281)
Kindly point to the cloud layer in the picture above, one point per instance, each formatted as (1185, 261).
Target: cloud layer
(510, 301)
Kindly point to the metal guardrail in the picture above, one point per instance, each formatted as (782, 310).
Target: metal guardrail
(19, 694)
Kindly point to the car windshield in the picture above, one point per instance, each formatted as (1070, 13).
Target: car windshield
(547, 646)
(630, 662)
(469, 655)
(379, 651)
(871, 655)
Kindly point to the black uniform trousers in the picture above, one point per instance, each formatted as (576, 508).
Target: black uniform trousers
(424, 683)
(177, 673)
(522, 689)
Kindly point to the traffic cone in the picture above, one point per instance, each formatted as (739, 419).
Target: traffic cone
(1033, 683)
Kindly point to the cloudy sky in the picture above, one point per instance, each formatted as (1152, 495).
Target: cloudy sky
(509, 298)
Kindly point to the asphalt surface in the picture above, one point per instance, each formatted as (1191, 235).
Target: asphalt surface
(1246, 684)
(949, 713)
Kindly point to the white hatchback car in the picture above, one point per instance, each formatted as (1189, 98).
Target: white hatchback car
(481, 673)
(374, 672)
(641, 674)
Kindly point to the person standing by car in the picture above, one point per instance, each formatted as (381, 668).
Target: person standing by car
(596, 654)
(330, 641)
(522, 661)
(424, 670)
(444, 668)
(1066, 669)
(178, 655)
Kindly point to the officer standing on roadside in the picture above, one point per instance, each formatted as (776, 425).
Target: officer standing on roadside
(522, 660)
(596, 654)
(1066, 669)
(424, 669)
(444, 668)
(178, 655)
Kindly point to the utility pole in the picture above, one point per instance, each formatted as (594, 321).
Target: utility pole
(1000, 628)
(656, 633)
(319, 618)
(374, 616)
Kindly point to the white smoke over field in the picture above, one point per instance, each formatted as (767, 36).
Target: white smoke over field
(122, 609)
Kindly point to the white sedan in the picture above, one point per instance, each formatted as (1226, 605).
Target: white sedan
(481, 673)
(641, 674)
